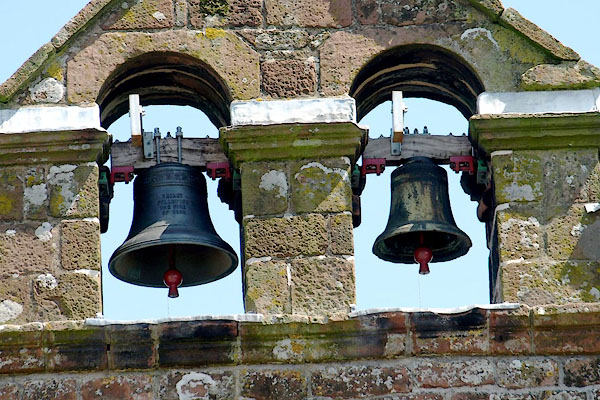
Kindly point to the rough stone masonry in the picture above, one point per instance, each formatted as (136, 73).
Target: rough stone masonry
(286, 81)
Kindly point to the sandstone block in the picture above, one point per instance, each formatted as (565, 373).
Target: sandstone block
(273, 384)
(143, 14)
(197, 343)
(9, 391)
(582, 372)
(11, 194)
(569, 176)
(28, 248)
(265, 188)
(309, 13)
(566, 75)
(322, 285)
(341, 232)
(286, 237)
(368, 11)
(322, 186)
(134, 387)
(527, 373)
(420, 12)
(447, 374)
(22, 360)
(573, 235)
(518, 177)
(80, 245)
(197, 384)
(532, 283)
(132, 347)
(35, 196)
(58, 389)
(245, 13)
(520, 233)
(465, 333)
(492, 8)
(341, 57)
(534, 33)
(359, 381)
(267, 290)
(79, 295)
(73, 191)
(274, 40)
(225, 52)
(289, 78)
(181, 13)
(509, 331)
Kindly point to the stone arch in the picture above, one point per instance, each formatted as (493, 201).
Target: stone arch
(419, 71)
(216, 55)
(165, 78)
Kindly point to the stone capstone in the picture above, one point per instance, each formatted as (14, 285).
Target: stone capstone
(512, 18)
(566, 75)
(141, 14)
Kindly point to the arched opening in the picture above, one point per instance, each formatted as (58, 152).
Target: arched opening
(176, 90)
(162, 78)
(441, 91)
(418, 71)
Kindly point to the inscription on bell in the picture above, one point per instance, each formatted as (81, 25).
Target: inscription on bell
(173, 204)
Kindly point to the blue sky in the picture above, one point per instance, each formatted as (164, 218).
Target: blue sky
(27, 25)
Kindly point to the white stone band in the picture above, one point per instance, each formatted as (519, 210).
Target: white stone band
(560, 101)
(293, 111)
(49, 119)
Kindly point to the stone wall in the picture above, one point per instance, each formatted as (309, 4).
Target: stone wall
(518, 353)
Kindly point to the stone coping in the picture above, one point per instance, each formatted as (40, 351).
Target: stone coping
(77, 346)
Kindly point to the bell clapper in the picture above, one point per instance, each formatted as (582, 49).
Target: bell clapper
(423, 256)
(172, 277)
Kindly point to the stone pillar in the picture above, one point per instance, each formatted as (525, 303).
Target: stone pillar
(546, 178)
(49, 228)
(297, 222)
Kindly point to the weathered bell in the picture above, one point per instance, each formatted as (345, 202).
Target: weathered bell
(171, 231)
(420, 218)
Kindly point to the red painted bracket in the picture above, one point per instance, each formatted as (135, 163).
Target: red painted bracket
(463, 163)
(121, 174)
(372, 166)
(219, 170)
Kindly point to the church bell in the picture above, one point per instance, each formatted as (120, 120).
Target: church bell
(172, 240)
(421, 228)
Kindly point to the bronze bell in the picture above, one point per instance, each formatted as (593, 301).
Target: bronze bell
(172, 240)
(421, 227)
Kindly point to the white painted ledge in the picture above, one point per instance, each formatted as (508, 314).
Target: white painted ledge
(231, 317)
(545, 102)
(49, 119)
(455, 310)
(293, 111)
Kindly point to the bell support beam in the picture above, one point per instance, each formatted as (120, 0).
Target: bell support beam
(546, 177)
(49, 227)
(298, 252)
(200, 151)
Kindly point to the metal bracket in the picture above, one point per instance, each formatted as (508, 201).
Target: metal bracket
(121, 174)
(373, 166)
(463, 163)
(219, 170)
(398, 110)
(138, 136)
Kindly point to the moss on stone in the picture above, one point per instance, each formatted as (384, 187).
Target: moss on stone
(215, 33)
(213, 7)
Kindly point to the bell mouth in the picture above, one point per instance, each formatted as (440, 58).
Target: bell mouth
(398, 245)
(143, 261)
